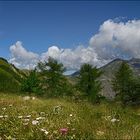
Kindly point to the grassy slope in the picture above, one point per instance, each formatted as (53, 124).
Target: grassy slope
(10, 76)
(86, 122)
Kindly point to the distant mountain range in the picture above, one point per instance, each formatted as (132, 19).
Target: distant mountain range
(108, 72)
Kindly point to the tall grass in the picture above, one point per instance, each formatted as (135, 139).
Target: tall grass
(82, 120)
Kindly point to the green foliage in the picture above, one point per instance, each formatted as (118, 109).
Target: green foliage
(133, 96)
(88, 81)
(53, 79)
(8, 82)
(127, 87)
(31, 83)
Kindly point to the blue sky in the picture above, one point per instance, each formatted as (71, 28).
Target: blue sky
(40, 25)
(72, 32)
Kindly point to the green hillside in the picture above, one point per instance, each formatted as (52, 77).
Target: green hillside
(10, 76)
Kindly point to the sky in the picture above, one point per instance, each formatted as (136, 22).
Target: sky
(73, 32)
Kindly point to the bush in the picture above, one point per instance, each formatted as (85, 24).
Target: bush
(31, 83)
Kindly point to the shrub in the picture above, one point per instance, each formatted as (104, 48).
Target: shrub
(31, 83)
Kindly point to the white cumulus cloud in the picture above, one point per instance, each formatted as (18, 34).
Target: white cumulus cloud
(114, 39)
(22, 58)
(73, 58)
(117, 39)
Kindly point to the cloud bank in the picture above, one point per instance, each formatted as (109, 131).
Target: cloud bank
(113, 40)
(22, 58)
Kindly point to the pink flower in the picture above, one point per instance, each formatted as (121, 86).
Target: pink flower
(64, 131)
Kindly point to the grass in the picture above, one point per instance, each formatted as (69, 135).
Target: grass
(38, 118)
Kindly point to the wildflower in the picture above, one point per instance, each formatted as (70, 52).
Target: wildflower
(26, 120)
(71, 115)
(100, 133)
(68, 123)
(72, 137)
(1, 116)
(40, 118)
(64, 131)
(73, 129)
(26, 98)
(114, 120)
(3, 108)
(33, 98)
(20, 117)
(35, 122)
(25, 123)
(5, 116)
(10, 105)
(42, 113)
(45, 131)
(28, 116)
(107, 117)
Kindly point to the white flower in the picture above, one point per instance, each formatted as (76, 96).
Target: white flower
(73, 129)
(42, 113)
(35, 122)
(26, 120)
(68, 123)
(40, 118)
(20, 117)
(3, 108)
(26, 98)
(33, 98)
(107, 117)
(100, 133)
(25, 123)
(10, 105)
(71, 115)
(28, 116)
(1, 116)
(45, 131)
(5, 116)
(114, 120)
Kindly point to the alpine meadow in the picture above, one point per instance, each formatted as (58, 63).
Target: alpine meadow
(60, 86)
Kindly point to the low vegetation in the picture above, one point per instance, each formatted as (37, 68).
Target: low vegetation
(29, 117)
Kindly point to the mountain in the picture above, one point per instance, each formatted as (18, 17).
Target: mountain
(10, 76)
(75, 74)
(108, 72)
(111, 68)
